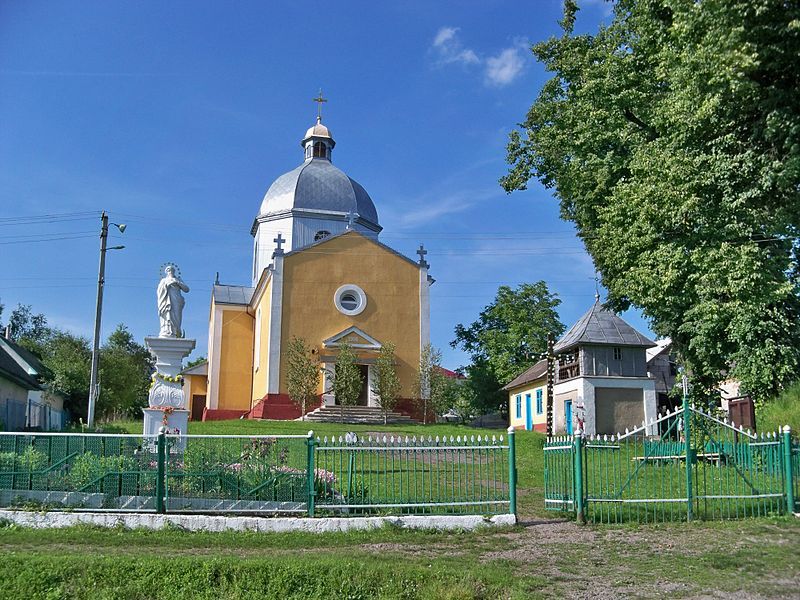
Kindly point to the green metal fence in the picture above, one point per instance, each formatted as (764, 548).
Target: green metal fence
(281, 474)
(85, 471)
(423, 475)
(699, 466)
(236, 473)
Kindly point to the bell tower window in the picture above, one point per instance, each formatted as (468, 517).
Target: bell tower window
(320, 150)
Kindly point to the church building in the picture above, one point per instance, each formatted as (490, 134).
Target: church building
(320, 273)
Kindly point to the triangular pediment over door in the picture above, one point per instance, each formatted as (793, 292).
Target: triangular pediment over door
(355, 337)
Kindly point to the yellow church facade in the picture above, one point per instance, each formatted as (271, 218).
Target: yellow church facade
(335, 282)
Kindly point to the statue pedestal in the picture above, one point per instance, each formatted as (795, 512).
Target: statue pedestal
(166, 390)
(177, 423)
(169, 353)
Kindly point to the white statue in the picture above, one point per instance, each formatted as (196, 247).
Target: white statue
(170, 303)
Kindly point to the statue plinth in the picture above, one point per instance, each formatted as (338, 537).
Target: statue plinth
(169, 353)
(166, 398)
(177, 422)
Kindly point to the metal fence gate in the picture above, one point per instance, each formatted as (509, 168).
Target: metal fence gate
(699, 466)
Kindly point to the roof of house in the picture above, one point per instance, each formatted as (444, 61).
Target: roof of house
(12, 371)
(198, 369)
(659, 347)
(25, 355)
(601, 326)
(451, 374)
(537, 371)
(232, 294)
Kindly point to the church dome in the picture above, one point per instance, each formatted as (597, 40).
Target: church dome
(318, 130)
(317, 186)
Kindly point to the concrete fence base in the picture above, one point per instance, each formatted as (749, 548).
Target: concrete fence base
(55, 519)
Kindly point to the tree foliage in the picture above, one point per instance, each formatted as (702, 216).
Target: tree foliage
(302, 373)
(512, 330)
(385, 382)
(483, 390)
(671, 138)
(347, 380)
(124, 375)
(25, 324)
(431, 387)
(196, 361)
(125, 365)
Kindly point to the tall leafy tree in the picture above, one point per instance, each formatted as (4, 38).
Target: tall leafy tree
(431, 387)
(25, 324)
(482, 390)
(347, 380)
(511, 331)
(671, 138)
(386, 383)
(125, 365)
(302, 373)
(67, 358)
(125, 368)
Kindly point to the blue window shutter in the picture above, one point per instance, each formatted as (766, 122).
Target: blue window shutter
(519, 406)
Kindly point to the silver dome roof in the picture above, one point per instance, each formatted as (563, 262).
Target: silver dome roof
(318, 186)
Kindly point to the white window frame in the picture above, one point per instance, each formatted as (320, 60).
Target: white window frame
(354, 289)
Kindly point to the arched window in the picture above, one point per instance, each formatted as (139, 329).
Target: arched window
(320, 150)
(322, 234)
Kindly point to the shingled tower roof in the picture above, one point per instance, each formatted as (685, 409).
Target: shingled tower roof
(601, 326)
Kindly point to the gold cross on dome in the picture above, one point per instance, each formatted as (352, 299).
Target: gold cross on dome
(319, 100)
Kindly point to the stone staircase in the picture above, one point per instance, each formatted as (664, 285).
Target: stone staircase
(368, 415)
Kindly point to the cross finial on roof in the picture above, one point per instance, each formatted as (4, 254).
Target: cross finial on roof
(279, 241)
(422, 252)
(596, 287)
(319, 100)
(351, 218)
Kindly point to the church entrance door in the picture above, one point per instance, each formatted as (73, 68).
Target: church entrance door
(363, 397)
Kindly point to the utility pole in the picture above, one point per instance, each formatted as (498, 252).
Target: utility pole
(551, 376)
(93, 384)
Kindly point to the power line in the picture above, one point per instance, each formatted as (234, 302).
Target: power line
(83, 214)
(55, 239)
(43, 235)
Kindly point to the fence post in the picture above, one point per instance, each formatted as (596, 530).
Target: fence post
(310, 473)
(161, 470)
(787, 468)
(512, 473)
(687, 444)
(578, 476)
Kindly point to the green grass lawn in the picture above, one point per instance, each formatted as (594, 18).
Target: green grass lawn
(783, 410)
(544, 557)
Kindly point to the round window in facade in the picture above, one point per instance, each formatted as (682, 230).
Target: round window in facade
(350, 300)
(321, 235)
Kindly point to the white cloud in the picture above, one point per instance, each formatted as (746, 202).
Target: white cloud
(449, 49)
(499, 70)
(505, 67)
(444, 35)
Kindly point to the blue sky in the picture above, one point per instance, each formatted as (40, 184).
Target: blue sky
(176, 116)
